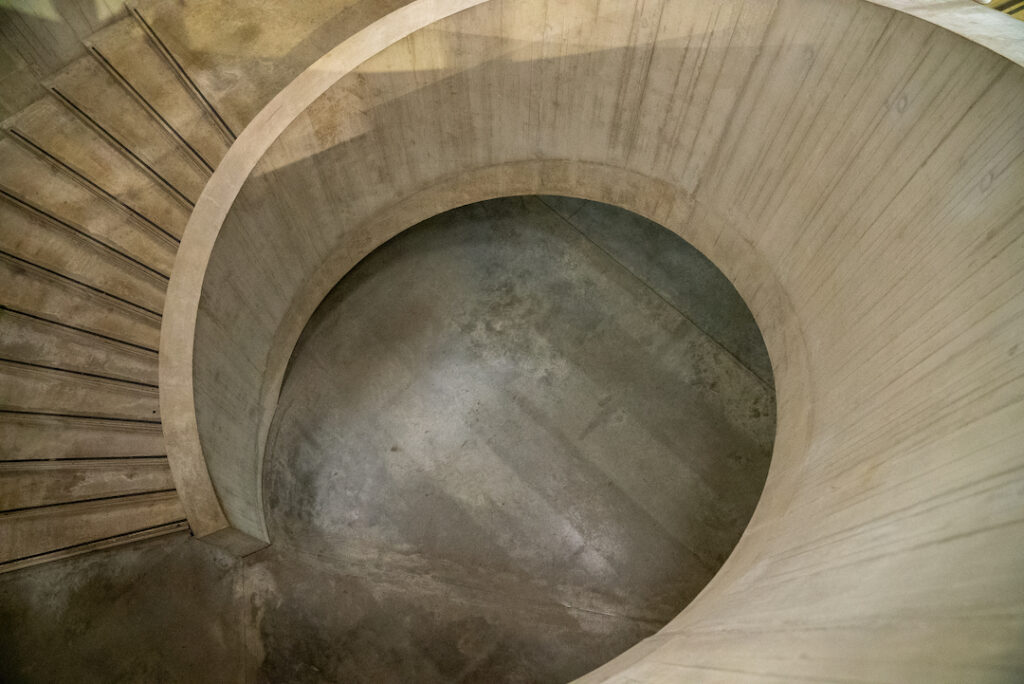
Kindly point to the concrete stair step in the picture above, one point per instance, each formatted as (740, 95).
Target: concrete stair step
(31, 533)
(44, 294)
(45, 242)
(37, 389)
(138, 59)
(53, 190)
(55, 132)
(96, 95)
(26, 436)
(25, 484)
(32, 340)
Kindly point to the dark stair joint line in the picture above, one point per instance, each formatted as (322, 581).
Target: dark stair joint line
(85, 459)
(95, 499)
(79, 416)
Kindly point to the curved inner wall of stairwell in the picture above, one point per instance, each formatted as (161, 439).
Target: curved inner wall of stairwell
(871, 223)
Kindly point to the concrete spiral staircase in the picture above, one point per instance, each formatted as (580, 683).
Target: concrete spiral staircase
(97, 181)
(854, 170)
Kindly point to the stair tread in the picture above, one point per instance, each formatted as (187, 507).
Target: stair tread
(46, 187)
(130, 52)
(44, 390)
(92, 88)
(60, 133)
(55, 247)
(46, 483)
(24, 338)
(41, 530)
(30, 436)
(43, 294)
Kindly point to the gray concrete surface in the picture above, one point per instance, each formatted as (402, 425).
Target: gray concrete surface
(170, 609)
(501, 454)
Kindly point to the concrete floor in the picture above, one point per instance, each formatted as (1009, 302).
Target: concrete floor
(514, 441)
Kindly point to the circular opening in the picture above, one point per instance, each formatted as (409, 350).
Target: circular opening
(511, 443)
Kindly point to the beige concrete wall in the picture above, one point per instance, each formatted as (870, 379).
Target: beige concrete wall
(854, 170)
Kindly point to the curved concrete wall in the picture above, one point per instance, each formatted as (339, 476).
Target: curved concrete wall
(855, 171)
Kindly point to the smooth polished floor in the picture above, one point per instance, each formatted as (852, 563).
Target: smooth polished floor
(513, 442)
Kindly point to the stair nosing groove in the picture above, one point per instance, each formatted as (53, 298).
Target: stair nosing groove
(80, 416)
(80, 460)
(95, 499)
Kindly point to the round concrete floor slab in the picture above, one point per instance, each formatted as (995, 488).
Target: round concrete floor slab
(514, 441)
